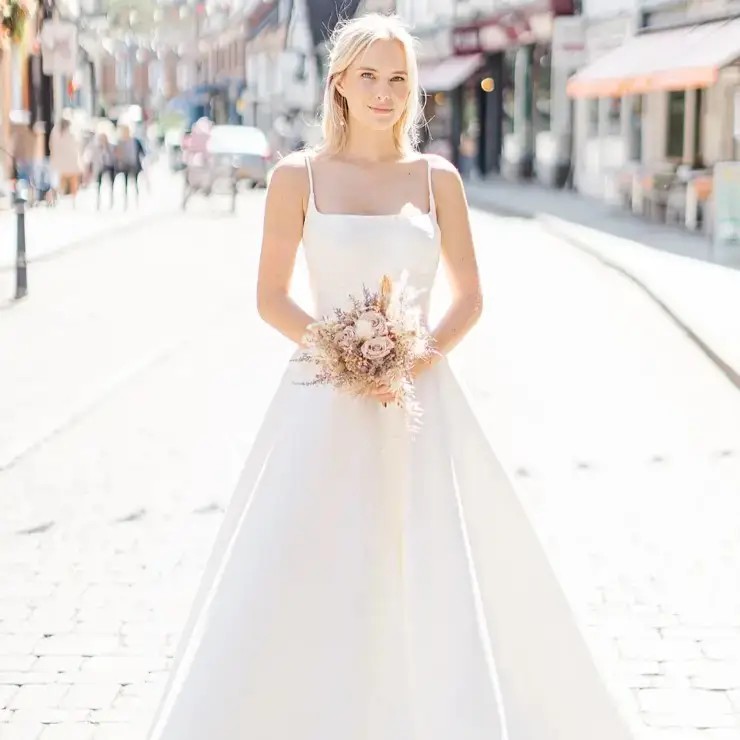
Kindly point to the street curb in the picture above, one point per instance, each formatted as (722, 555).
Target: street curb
(551, 223)
(552, 226)
(481, 203)
(85, 240)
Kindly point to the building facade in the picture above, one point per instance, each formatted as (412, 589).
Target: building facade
(661, 97)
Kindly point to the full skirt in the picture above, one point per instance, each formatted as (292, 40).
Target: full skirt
(367, 584)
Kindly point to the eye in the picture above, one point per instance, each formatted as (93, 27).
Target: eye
(367, 75)
(398, 78)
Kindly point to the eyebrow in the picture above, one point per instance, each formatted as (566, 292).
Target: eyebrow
(372, 69)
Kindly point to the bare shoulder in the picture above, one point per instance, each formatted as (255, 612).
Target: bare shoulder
(290, 176)
(446, 180)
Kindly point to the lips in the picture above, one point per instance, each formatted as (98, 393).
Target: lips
(380, 110)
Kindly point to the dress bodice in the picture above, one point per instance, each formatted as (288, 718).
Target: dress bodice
(346, 251)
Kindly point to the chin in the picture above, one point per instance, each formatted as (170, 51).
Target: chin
(379, 123)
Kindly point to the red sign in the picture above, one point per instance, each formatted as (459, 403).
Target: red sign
(528, 23)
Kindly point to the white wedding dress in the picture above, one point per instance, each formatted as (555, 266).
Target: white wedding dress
(369, 586)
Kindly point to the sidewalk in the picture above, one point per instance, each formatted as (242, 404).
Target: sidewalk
(51, 230)
(696, 284)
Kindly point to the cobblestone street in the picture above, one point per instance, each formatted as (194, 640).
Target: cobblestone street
(135, 376)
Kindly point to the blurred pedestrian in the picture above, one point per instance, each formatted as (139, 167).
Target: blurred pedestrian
(195, 144)
(102, 163)
(129, 154)
(468, 152)
(23, 145)
(66, 158)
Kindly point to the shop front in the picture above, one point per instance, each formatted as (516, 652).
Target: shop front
(679, 85)
(606, 130)
(449, 87)
(510, 100)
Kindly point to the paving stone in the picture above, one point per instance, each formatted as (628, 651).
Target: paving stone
(6, 694)
(722, 676)
(57, 663)
(21, 731)
(90, 696)
(73, 644)
(68, 731)
(52, 715)
(667, 700)
(18, 644)
(16, 663)
(37, 697)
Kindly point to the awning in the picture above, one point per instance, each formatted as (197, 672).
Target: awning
(676, 59)
(448, 74)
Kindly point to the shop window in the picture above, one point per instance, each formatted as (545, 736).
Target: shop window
(507, 94)
(301, 67)
(676, 111)
(613, 116)
(698, 130)
(736, 122)
(542, 89)
(635, 126)
(592, 109)
(438, 113)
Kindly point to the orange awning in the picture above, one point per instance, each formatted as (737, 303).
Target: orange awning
(676, 59)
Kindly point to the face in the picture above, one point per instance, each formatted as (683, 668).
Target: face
(376, 85)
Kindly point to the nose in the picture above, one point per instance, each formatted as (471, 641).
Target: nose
(382, 93)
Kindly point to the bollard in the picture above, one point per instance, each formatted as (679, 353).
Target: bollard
(21, 277)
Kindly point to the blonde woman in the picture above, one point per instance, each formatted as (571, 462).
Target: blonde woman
(366, 585)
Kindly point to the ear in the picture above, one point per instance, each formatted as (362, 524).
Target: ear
(340, 84)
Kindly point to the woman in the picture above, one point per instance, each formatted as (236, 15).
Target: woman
(66, 159)
(102, 164)
(365, 584)
(129, 156)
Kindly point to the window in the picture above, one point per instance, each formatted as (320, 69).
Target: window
(674, 137)
(736, 122)
(542, 92)
(635, 126)
(301, 71)
(507, 94)
(592, 105)
(698, 130)
(613, 116)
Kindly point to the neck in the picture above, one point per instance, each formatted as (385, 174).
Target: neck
(368, 145)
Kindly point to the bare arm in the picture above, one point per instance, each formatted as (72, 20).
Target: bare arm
(458, 256)
(283, 228)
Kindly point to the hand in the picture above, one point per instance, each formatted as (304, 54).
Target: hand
(383, 394)
(424, 364)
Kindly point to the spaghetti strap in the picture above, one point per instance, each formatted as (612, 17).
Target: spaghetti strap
(310, 177)
(432, 205)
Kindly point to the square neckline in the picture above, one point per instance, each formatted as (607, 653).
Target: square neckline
(431, 213)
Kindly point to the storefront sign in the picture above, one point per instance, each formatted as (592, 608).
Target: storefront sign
(59, 47)
(569, 42)
(519, 24)
(726, 195)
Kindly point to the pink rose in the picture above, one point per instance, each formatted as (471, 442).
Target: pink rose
(346, 338)
(371, 324)
(377, 348)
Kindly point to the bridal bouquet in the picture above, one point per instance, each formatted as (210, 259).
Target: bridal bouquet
(374, 343)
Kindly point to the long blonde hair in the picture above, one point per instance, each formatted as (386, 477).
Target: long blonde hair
(350, 39)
